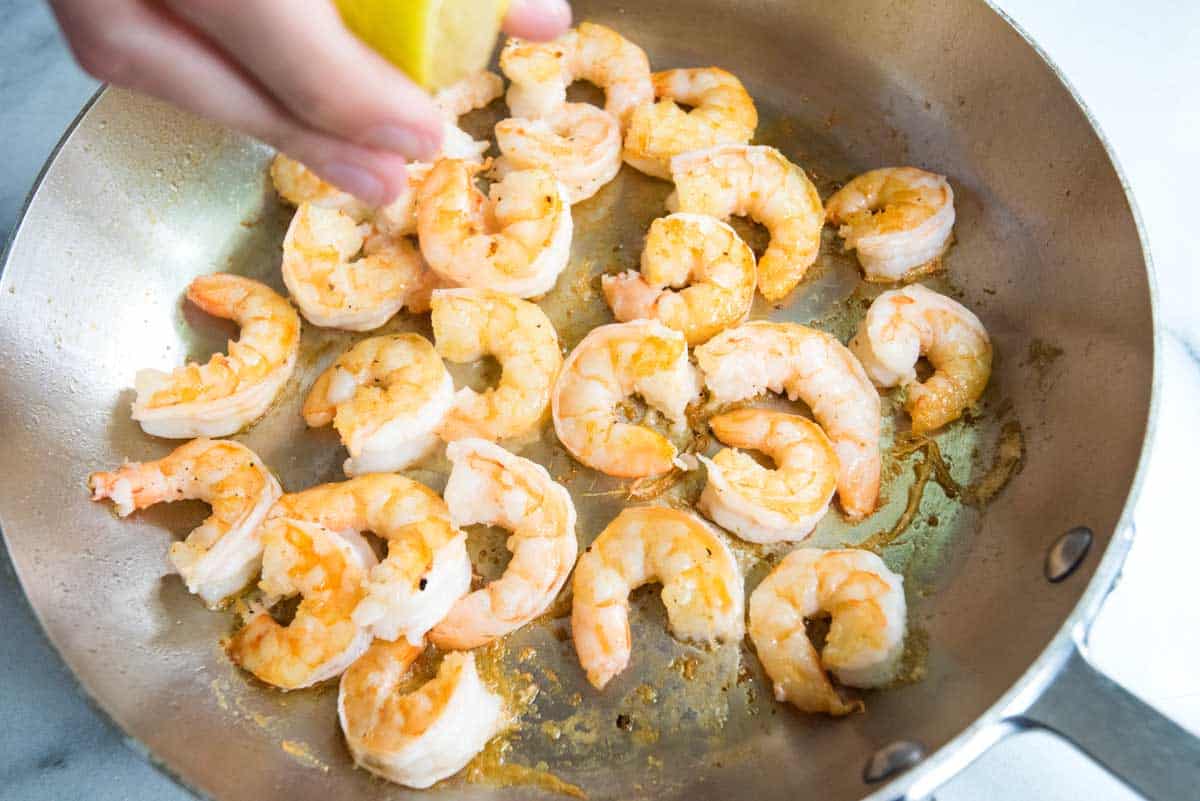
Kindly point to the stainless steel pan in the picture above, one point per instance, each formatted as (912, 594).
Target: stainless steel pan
(139, 198)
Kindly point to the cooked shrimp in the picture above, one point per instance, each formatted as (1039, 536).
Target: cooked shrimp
(904, 324)
(610, 364)
(427, 568)
(687, 249)
(577, 143)
(490, 485)
(231, 391)
(866, 635)
(758, 182)
(336, 292)
(541, 71)
(898, 219)
(386, 397)
(722, 113)
(762, 505)
(515, 241)
(328, 571)
(296, 184)
(742, 362)
(701, 585)
(224, 552)
(423, 736)
(469, 324)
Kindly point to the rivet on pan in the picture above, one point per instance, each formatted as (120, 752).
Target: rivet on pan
(1067, 553)
(893, 758)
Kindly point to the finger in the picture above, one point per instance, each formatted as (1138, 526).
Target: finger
(540, 20)
(142, 47)
(306, 57)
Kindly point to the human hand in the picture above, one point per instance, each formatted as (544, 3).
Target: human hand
(287, 72)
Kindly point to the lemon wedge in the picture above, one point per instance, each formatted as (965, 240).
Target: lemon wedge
(437, 42)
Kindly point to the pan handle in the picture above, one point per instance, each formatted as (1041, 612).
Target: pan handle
(1136, 743)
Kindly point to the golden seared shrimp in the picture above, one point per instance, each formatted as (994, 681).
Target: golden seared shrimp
(694, 251)
(904, 324)
(329, 571)
(898, 220)
(701, 585)
(757, 182)
(489, 485)
(427, 568)
(541, 71)
(332, 287)
(231, 390)
(722, 113)
(469, 324)
(578, 143)
(224, 552)
(516, 241)
(420, 737)
(762, 505)
(642, 357)
(740, 363)
(386, 397)
(866, 633)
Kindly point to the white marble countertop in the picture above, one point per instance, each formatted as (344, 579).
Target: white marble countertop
(1137, 66)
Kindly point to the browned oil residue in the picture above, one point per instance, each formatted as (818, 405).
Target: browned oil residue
(490, 768)
(1041, 357)
(924, 469)
(914, 660)
(302, 754)
(686, 665)
(1010, 452)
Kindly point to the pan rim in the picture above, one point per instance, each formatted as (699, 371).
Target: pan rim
(990, 726)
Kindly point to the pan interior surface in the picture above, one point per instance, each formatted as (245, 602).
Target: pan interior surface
(142, 198)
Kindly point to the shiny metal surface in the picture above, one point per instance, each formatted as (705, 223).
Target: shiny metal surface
(142, 198)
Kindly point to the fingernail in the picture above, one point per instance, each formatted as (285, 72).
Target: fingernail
(355, 180)
(416, 145)
(546, 18)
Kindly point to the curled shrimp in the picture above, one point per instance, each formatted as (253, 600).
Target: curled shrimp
(577, 143)
(231, 390)
(386, 397)
(904, 324)
(223, 553)
(762, 505)
(427, 568)
(722, 113)
(684, 249)
(469, 324)
(866, 633)
(610, 364)
(296, 184)
(420, 737)
(541, 71)
(809, 365)
(516, 241)
(898, 220)
(329, 571)
(701, 585)
(758, 182)
(331, 287)
(489, 485)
